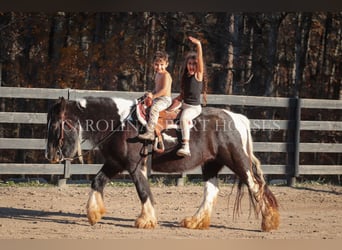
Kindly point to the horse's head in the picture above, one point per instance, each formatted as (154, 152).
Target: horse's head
(62, 132)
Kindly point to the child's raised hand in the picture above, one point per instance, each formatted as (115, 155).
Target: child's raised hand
(194, 40)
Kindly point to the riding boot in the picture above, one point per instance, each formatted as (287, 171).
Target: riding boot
(184, 150)
(148, 135)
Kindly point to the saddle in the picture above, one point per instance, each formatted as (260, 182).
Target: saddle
(167, 119)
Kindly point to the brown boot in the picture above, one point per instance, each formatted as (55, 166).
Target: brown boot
(148, 135)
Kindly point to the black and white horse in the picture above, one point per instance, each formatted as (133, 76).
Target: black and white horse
(219, 138)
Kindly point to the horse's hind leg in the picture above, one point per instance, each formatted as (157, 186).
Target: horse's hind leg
(95, 204)
(265, 201)
(201, 219)
(147, 218)
(262, 198)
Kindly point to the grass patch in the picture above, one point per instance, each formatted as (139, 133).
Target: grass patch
(33, 183)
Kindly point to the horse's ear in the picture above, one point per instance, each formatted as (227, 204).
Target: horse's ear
(61, 104)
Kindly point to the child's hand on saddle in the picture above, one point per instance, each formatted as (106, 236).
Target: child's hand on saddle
(149, 95)
(148, 99)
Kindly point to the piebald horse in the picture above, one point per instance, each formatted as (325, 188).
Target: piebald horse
(219, 138)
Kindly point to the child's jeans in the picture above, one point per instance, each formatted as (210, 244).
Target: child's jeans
(159, 104)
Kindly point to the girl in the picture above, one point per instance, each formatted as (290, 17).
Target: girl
(192, 82)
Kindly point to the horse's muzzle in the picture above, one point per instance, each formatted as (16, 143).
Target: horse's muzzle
(55, 156)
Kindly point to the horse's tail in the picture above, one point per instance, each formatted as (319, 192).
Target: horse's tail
(255, 165)
(263, 200)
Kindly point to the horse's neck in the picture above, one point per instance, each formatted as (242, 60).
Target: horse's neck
(97, 126)
(100, 117)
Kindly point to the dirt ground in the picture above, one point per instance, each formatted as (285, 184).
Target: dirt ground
(307, 212)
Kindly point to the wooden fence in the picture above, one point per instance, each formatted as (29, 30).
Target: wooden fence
(291, 148)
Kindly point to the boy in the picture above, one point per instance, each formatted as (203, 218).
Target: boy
(161, 95)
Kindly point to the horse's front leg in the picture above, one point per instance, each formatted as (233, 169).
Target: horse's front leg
(201, 219)
(147, 218)
(95, 205)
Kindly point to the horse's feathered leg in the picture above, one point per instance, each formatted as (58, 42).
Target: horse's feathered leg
(95, 207)
(264, 200)
(95, 204)
(248, 170)
(147, 218)
(201, 219)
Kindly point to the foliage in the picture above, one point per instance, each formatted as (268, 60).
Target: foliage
(270, 54)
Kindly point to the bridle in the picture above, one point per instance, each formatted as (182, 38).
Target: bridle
(62, 129)
(64, 122)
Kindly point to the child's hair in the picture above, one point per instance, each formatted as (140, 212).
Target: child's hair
(161, 55)
(184, 75)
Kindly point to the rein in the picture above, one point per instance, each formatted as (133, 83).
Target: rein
(60, 142)
(104, 139)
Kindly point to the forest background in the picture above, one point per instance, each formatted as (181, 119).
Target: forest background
(262, 54)
(276, 54)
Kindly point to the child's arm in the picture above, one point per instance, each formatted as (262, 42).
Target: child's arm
(200, 66)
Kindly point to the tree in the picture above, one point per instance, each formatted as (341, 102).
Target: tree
(301, 46)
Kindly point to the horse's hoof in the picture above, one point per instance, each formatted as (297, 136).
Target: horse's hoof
(145, 223)
(271, 220)
(196, 223)
(95, 216)
(95, 207)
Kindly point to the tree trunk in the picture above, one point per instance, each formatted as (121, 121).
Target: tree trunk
(2, 104)
(301, 47)
(271, 51)
(146, 53)
(56, 37)
(56, 42)
(230, 63)
(335, 78)
(257, 85)
(249, 63)
(320, 65)
(85, 42)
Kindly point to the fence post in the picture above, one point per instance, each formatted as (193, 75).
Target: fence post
(292, 171)
(181, 180)
(297, 137)
(67, 166)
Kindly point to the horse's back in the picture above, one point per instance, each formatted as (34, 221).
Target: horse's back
(227, 126)
(227, 117)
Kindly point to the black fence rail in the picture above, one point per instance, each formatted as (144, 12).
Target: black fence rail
(290, 150)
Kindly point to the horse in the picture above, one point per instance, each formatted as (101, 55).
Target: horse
(219, 138)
